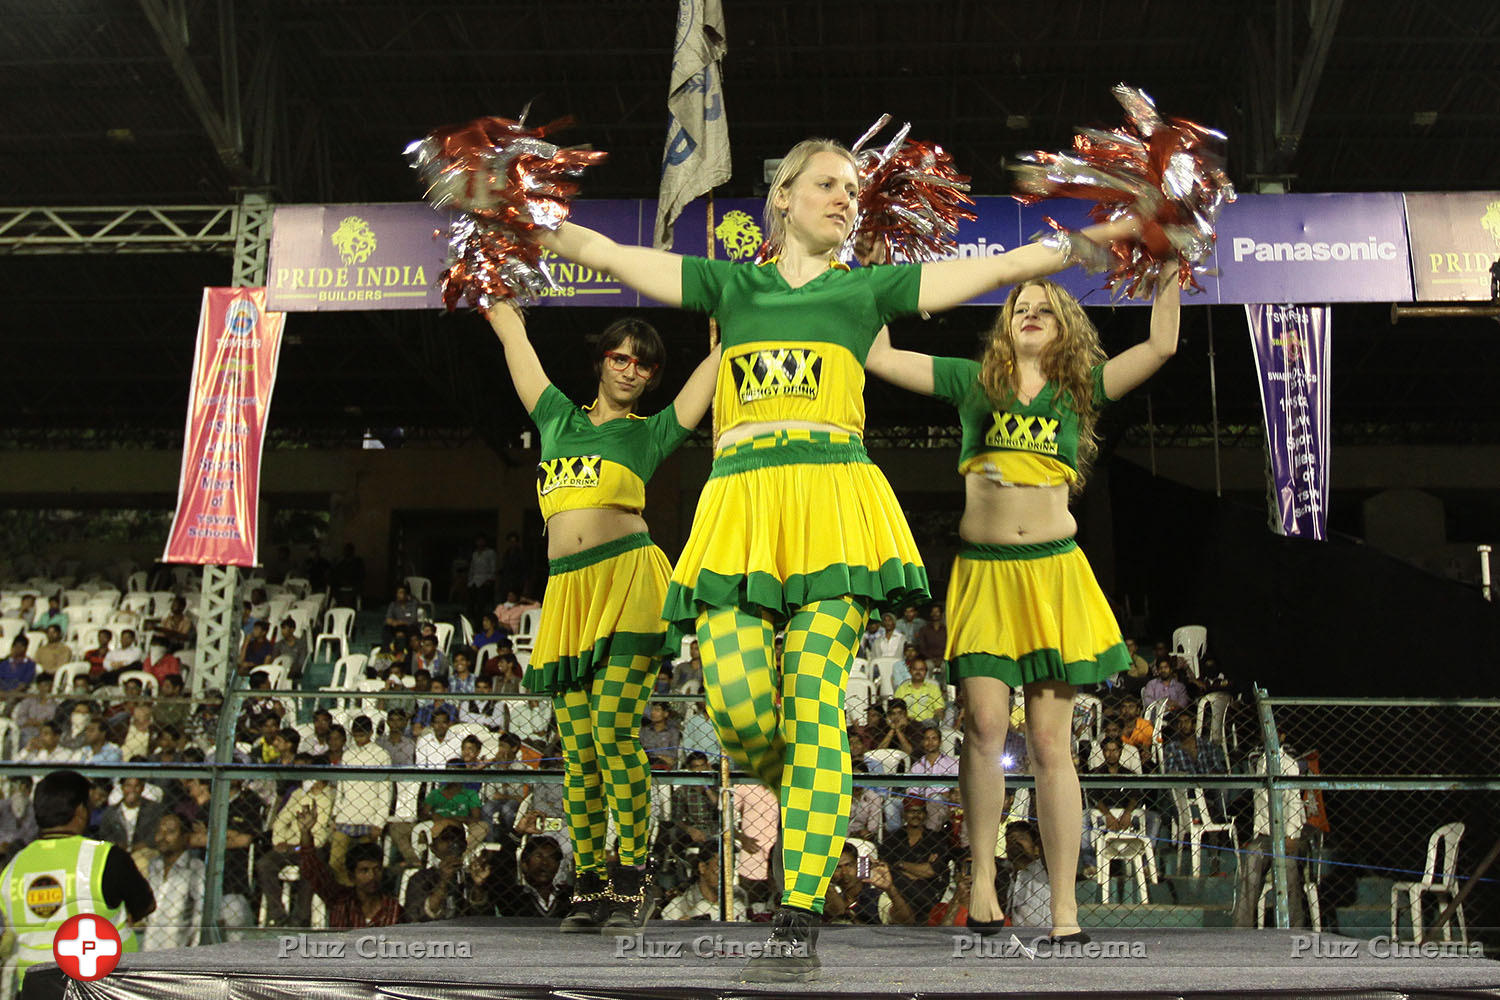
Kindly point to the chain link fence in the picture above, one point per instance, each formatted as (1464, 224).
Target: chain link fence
(301, 802)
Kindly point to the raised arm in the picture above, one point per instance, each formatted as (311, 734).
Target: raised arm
(1135, 365)
(526, 372)
(656, 273)
(950, 283)
(906, 369)
(698, 393)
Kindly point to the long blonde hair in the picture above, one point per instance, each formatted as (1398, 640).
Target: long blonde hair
(790, 168)
(1068, 361)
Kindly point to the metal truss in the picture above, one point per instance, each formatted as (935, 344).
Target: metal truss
(79, 229)
(218, 634)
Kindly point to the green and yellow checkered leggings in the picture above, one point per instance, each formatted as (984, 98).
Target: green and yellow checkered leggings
(602, 759)
(803, 750)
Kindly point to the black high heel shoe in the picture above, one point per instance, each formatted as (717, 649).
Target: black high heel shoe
(984, 928)
(1077, 937)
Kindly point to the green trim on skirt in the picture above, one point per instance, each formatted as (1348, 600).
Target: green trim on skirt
(893, 583)
(1042, 665)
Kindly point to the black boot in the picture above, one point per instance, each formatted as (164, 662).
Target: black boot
(589, 905)
(630, 899)
(791, 955)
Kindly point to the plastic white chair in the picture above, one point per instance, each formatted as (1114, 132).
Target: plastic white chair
(136, 582)
(1443, 885)
(1213, 712)
(348, 671)
(420, 588)
(277, 671)
(108, 595)
(1312, 875)
(1192, 828)
(465, 631)
(35, 641)
(137, 604)
(62, 680)
(161, 602)
(1133, 848)
(297, 585)
(483, 655)
(1095, 723)
(1190, 643)
(444, 635)
(72, 597)
(10, 628)
(147, 679)
(1156, 714)
(857, 694)
(530, 620)
(338, 629)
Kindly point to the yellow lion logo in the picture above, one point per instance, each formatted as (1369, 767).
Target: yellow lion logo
(739, 235)
(1491, 220)
(354, 240)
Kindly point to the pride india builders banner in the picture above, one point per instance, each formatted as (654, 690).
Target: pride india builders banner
(234, 372)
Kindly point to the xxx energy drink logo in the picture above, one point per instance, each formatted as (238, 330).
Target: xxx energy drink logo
(785, 371)
(1019, 432)
(560, 473)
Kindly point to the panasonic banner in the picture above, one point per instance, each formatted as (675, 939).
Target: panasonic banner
(1291, 345)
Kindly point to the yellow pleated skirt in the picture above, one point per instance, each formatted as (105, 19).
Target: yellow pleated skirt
(793, 517)
(1024, 613)
(601, 602)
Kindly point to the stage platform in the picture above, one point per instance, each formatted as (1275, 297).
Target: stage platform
(497, 959)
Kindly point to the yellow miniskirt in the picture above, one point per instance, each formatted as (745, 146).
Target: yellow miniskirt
(601, 602)
(793, 517)
(1024, 613)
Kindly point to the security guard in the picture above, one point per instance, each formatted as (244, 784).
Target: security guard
(62, 873)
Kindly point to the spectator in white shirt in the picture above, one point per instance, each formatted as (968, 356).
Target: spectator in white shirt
(46, 748)
(700, 901)
(177, 879)
(884, 641)
(439, 744)
(363, 805)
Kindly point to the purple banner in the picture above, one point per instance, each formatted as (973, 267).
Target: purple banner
(1314, 248)
(358, 257)
(1292, 356)
(1454, 240)
(1272, 248)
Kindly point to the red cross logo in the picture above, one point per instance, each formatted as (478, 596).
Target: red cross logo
(87, 947)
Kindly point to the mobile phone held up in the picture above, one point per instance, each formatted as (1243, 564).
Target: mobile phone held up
(862, 868)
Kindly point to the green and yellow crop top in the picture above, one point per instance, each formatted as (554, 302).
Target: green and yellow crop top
(1026, 444)
(584, 466)
(796, 353)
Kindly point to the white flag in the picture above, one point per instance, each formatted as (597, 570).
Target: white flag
(696, 157)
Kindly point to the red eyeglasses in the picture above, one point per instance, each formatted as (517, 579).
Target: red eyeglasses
(619, 362)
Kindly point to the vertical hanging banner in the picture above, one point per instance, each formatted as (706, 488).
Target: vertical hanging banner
(1292, 345)
(696, 158)
(234, 372)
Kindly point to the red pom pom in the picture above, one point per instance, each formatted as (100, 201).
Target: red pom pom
(1169, 172)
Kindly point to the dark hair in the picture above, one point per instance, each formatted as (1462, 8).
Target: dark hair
(697, 755)
(362, 724)
(1104, 744)
(291, 736)
(471, 738)
(57, 798)
(21, 641)
(289, 621)
(336, 728)
(535, 844)
(362, 852)
(895, 703)
(443, 712)
(192, 754)
(648, 345)
(323, 712)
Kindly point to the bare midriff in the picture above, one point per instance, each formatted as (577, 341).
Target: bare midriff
(996, 514)
(569, 532)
